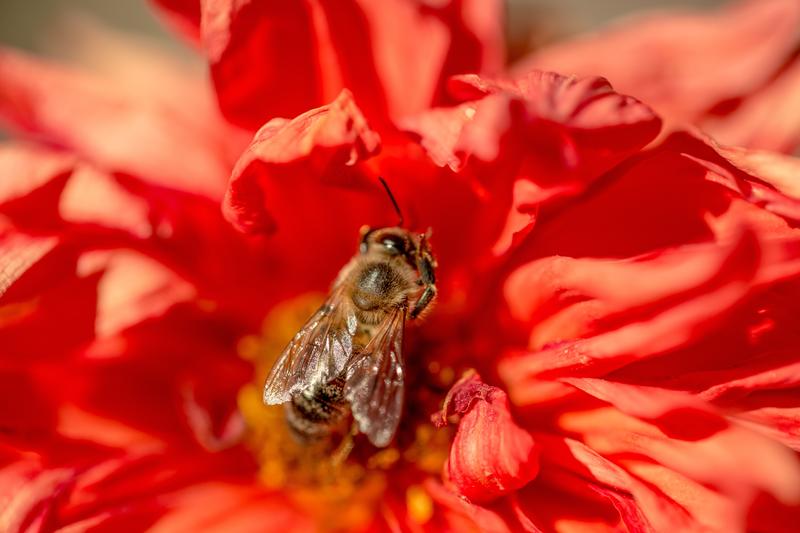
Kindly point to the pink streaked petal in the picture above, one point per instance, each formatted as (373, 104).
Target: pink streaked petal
(679, 62)
(769, 119)
(644, 402)
(93, 197)
(481, 518)
(117, 129)
(26, 167)
(532, 142)
(760, 177)
(132, 288)
(618, 285)
(669, 329)
(779, 377)
(225, 507)
(18, 253)
(777, 169)
(130, 483)
(78, 424)
(779, 423)
(570, 505)
(733, 460)
(707, 509)
(662, 329)
(659, 511)
(30, 493)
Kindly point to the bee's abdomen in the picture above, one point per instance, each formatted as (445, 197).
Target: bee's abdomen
(313, 414)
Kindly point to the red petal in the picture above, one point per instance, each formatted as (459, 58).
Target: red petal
(491, 455)
(680, 63)
(47, 297)
(568, 131)
(522, 144)
(394, 55)
(183, 14)
(320, 144)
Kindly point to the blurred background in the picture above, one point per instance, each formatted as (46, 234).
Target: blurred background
(27, 23)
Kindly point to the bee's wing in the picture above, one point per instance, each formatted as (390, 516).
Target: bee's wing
(374, 386)
(317, 354)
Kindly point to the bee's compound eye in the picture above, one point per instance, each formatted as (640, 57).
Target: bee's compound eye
(394, 244)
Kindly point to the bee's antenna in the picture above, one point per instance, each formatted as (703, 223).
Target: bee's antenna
(394, 202)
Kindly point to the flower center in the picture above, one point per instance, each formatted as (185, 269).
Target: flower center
(342, 490)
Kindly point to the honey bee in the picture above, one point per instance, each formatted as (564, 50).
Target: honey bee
(347, 359)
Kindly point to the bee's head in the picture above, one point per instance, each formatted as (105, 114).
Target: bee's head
(394, 242)
(386, 241)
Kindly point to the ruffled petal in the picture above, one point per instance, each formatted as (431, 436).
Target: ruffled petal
(491, 455)
(328, 139)
(566, 131)
(764, 178)
(529, 142)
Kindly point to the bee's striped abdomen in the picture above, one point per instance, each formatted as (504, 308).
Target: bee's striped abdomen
(314, 414)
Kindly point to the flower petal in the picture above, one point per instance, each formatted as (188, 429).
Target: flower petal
(461, 514)
(18, 253)
(491, 455)
(660, 501)
(663, 329)
(394, 55)
(526, 143)
(767, 119)
(679, 62)
(735, 461)
(328, 139)
(117, 129)
(569, 131)
(30, 495)
(133, 288)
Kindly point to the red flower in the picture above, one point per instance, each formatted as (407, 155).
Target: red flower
(629, 298)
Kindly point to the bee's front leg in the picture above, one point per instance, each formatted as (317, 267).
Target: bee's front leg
(427, 296)
(426, 266)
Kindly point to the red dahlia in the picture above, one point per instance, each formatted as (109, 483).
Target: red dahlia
(615, 344)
